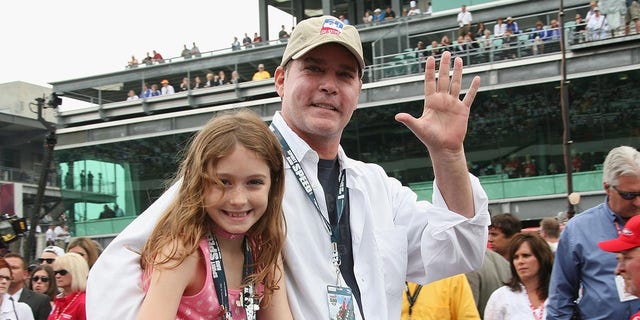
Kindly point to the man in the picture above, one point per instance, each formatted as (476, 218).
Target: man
(502, 229)
(550, 232)
(366, 234)
(464, 21)
(492, 274)
(261, 74)
(166, 87)
(626, 248)
(38, 302)
(581, 269)
(414, 10)
(49, 255)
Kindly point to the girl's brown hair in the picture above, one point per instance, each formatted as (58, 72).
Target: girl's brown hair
(185, 221)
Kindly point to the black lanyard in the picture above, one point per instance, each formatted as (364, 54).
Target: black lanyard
(412, 297)
(296, 167)
(248, 299)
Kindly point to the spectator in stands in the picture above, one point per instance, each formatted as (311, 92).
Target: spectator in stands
(633, 15)
(597, 27)
(38, 303)
(50, 235)
(446, 299)
(257, 39)
(583, 270)
(222, 78)
(283, 35)
(513, 25)
(261, 74)
(107, 213)
(157, 57)
(86, 248)
(197, 83)
(43, 280)
(210, 80)
(119, 212)
(486, 40)
(421, 54)
(479, 30)
(529, 167)
(429, 8)
(235, 77)
(554, 29)
(155, 91)
(146, 91)
(592, 10)
(499, 28)
(413, 9)
(550, 232)
(62, 235)
(246, 41)
(436, 50)
(577, 34)
(186, 53)
(235, 45)
(131, 95)
(133, 63)
(531, 261)
(185, 84)
(539, 36)
(445, 43)
(502, 229)
(166, 87)
(148, 60)
(464, 21)
(368, 17)
(195, 51)
(378, 15)
(389, 14)
(341, 18)
(462, 49)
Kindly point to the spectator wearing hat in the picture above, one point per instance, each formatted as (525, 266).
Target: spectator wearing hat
(597, 27)
(261, 74)
(413, 9)
(49, 254)
(166, 87)
(513, 25)
(625, 246)
(378, 15)
(582, 280)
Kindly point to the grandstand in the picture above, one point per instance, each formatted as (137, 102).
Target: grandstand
(514, 142)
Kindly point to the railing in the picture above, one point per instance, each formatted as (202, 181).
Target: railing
(26, 176)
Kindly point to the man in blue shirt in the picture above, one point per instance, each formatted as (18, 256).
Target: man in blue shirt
(583, 279)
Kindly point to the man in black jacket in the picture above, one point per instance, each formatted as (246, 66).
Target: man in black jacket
(39, 303)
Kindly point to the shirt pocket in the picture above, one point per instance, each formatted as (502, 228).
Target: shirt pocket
(392, 245)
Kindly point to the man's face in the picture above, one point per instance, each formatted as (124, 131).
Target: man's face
(629, 268)
(17, 270)
(624, 208)
(319, 92)
(498, 241)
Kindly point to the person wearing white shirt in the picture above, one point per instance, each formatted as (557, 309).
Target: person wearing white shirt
(166, 87)
(500, 28)
(351, 229)
(464, 21)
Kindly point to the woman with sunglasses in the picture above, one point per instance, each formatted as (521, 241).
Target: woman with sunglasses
(71, 272)
(9, 308)
(44, 281)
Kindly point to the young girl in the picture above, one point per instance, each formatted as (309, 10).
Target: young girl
(215, 253)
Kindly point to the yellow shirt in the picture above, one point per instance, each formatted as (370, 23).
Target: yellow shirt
(448, 298)
(261, 75)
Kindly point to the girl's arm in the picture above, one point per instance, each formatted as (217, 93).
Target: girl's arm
(166, 288)
(279, 307)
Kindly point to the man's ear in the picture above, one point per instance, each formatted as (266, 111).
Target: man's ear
(279, 80)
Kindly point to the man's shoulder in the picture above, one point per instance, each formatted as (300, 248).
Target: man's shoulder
(588, 215)
(30, 295)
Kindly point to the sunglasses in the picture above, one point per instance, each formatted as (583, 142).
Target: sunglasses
(62, 272)
(38, 278)
(627, 195)
(48, 260)
(7, 278)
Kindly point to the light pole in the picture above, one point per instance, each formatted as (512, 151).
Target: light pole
(566, 121)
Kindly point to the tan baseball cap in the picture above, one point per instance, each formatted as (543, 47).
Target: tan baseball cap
(314, 32)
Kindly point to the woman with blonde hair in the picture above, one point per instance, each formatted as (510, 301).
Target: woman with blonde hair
(71, 272)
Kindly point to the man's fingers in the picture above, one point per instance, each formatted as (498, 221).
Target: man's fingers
(471, 93)
(456, 80)
(443, 74)
(430, 76)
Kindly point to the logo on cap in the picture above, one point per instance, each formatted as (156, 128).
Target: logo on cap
(331, 26)
(627, 232)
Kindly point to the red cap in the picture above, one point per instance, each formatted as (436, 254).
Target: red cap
(629, 238)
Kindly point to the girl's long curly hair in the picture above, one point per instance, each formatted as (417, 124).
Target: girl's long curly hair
(186, 221)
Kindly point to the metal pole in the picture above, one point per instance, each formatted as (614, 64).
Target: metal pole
(566, 121)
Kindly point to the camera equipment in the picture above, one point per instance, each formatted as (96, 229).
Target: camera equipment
(11, 227)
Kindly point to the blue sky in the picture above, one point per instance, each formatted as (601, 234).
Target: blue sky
(48, 41)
